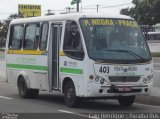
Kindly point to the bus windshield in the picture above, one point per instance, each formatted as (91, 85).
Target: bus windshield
(114, 40)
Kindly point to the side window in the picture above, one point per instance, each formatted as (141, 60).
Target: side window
(32, 36)
(44, 36)
(16, 37)
(72, 41)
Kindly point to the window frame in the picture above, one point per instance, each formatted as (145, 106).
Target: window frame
(69, 50)
(24, 40)
(11, 36)
(41, 32)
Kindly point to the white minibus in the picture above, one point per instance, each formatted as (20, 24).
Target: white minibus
(83, 56)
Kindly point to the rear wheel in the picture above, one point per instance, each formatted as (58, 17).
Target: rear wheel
(24, 92)
(70, 97)
(126, 100)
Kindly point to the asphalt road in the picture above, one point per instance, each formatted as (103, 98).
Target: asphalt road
(156, 63)
(53, 103)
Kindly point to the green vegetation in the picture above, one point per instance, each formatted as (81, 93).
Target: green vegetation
(2, 49)
(4, 29)
(145, 12)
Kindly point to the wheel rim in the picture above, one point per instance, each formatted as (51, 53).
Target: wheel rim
(22, 87)
(70, 95)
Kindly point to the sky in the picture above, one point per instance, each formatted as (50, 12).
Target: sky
(8, 7)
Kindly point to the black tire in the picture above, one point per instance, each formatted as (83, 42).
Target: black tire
(24, 92)
(33, 93)
(126, 100)
(70, 98)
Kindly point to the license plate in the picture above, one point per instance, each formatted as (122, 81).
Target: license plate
(124, 89)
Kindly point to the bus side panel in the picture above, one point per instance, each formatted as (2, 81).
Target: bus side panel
(72, 69)
(32, 67)
(11, 76)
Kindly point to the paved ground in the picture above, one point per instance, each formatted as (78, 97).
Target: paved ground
(53, 105)
(2, 67)
(156, 63)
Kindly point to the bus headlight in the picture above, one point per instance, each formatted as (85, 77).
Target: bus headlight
(144, 80)
(97, 79)
(102, 81)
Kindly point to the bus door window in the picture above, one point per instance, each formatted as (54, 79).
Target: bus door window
(72, 42)
(44, 36)
(16, 37)
(32, 36)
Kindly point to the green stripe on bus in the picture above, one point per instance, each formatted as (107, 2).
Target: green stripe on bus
(35, 67)
(71, 71)
(21, 66)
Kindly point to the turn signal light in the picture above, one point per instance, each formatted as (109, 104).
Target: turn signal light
(91, 77)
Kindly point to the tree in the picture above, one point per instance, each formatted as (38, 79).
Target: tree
(13, 16)
(7, 22)
(3, 36)
(145, 12)
(1, 24)
(125, 11)
(4, 30)
(157, 14)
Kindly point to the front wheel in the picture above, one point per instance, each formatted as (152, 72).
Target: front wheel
(126, 100)
(70, 97)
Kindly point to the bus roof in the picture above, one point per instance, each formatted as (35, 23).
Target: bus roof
(70, 16)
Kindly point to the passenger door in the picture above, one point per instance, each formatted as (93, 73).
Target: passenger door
(54, 44)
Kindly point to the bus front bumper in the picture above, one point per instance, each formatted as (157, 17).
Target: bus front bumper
(95, 90)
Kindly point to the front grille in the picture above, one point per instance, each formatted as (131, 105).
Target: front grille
(124, 78)
(117, 91)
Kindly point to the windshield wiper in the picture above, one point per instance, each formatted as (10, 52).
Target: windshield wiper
(127, 51)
